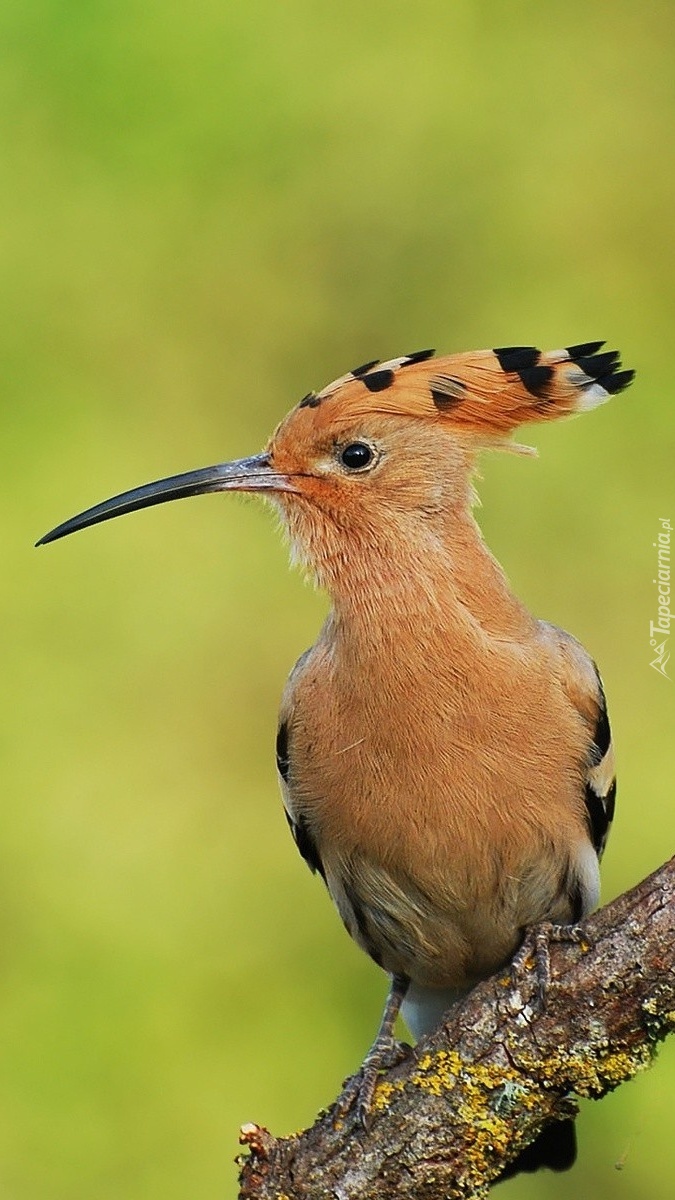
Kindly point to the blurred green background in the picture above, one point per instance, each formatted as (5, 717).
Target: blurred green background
(207, 210)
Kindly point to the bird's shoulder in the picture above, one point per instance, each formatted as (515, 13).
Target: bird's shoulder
(577, 672)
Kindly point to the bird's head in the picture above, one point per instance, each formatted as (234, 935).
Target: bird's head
(386, 451)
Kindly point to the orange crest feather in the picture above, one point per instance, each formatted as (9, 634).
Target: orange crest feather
(482, 393)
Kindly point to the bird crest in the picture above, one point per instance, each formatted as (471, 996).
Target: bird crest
(484, 393)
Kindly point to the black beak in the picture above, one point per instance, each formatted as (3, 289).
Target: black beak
(245, 475)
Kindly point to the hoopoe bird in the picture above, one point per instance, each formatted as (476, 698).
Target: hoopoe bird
(445, 757)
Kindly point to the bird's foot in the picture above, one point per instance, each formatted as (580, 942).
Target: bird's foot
(359, 1091)
(535, 946)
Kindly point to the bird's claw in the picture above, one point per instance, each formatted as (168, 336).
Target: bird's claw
(359, 1091)
(535, 945)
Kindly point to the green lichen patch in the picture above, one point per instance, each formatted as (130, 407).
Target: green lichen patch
(590, 1072)
(484, 1097)
(658, 1018)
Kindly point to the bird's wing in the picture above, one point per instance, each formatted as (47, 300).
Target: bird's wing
(297, 821)
(583, 685)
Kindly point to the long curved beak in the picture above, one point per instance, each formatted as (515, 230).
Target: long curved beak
(244, 475)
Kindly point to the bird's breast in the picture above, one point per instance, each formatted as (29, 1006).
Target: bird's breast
(432, 800)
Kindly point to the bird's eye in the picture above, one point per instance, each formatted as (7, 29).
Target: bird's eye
(356, 456)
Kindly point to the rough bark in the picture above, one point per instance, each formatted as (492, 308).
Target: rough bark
(470, 1097)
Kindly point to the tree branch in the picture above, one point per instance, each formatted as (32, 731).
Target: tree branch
(475, 1093)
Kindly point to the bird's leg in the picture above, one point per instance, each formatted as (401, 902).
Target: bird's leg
(535, 945)
(385, 1052)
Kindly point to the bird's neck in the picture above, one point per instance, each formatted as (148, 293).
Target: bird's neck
(438, 583)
